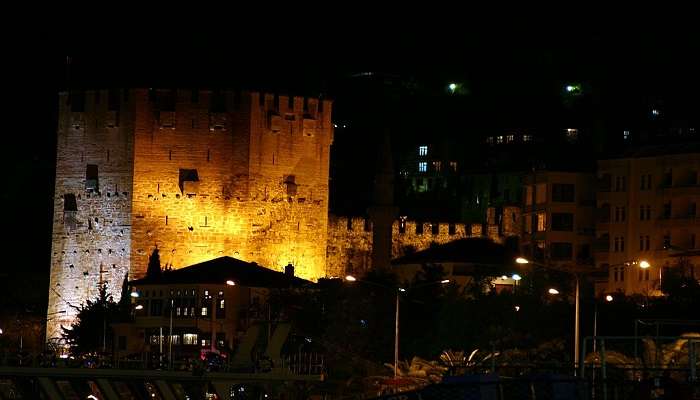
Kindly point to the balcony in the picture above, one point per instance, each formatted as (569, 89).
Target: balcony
(683, 221)
(586, 231)
(691, 189)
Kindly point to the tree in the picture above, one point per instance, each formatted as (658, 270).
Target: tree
(92, 332)
(154, 271)
(125, 299)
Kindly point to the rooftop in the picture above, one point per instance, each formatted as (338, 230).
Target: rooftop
(222, 269)
(468, 251)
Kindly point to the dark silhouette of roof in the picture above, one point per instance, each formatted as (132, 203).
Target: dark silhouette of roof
(469, 250)
(222, 269)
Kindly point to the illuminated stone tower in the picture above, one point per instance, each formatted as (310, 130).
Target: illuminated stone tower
(200, 174)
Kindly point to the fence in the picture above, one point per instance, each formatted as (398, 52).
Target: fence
(549, 387)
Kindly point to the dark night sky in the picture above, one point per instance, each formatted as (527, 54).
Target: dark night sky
(509, 73)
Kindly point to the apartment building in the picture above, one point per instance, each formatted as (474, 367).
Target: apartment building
(647, 217)
(558, 217)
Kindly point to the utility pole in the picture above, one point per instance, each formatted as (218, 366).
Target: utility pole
(396, 338)
(170, 336)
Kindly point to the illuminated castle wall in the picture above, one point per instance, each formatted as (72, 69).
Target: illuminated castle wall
(350, 241)
(199, 174)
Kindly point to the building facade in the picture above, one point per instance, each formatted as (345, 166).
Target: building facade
(200, 174)
(209, 306)
(647, 211)
(558, 218)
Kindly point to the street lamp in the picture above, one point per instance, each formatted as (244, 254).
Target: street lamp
(139, 307)
(521, 260)
(134, 294)
(577, 309)
(608, 298)
(398, 290)
(230, 283)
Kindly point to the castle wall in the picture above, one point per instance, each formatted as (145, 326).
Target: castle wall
(260, 192)
(262, 189)
(91, 238)
(350, 244)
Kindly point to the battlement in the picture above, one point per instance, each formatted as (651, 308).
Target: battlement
(198, 173)
(193, 108)
(350, 240)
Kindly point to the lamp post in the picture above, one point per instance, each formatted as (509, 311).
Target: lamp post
(608, 298)
(577, 308)
(170, 336)
(398, 291)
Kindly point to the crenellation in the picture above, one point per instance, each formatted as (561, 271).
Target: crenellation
(350, 243)
(240, 204)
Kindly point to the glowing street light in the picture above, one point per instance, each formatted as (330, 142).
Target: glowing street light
(644, 264)
(608, 298)
(399, 290)
(517, 308)
(577, 307)
(516, 277)
(139, 307)
(230, 283)
(135, 294)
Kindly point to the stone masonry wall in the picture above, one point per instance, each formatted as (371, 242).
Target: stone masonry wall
(262, 193)
(90, 243)
(350, 245)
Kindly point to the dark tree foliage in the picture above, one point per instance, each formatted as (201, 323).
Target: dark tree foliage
(154, 271)
(92, 331)
(125, 299)
(679, 284)
(353, 322)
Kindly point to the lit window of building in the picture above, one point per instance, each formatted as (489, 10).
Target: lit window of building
(489, 140)
(527, 138)
(655, 112)
(156, 339)
(422, 150)
(204, 311)
(541, 222)
(437, 165)
(571, 134)
(422, 166)
(510, 138)
(189, 338)
(453, 166)
(499, 139)
(625, 134)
